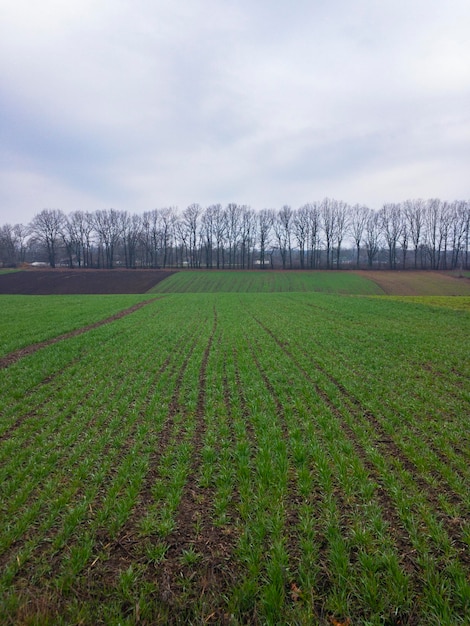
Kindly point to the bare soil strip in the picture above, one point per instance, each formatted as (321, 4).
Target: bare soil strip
(13, 357)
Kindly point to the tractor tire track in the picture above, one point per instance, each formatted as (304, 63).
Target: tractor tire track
(194, 529)
(56, 376)
(15, 356)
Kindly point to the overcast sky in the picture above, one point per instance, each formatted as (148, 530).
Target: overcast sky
(151, 103)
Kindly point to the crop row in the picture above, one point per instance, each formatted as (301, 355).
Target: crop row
(240, 458)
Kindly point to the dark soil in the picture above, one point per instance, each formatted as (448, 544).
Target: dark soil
(80, 281)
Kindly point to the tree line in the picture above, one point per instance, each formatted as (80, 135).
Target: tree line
(328, 234)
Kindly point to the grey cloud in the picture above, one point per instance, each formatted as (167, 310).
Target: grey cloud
(143, 103)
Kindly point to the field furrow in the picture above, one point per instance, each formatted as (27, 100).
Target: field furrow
(427, 502)
(238, 458)
(340, 502)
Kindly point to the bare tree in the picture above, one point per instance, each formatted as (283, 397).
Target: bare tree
(13, 244)
(283, 231)
(328, 224)
(77, 234)
(391, 225)
(168, 220)
(190, 229)
(131, 233)
(233, 213)
(265, 224)
(313, 211)
(7, 245)
(151, 237)
(20, 238)
(47, 227)
(460, 212)
(108, 226)
(372, 237)
(437, 231)
(208, 232)
(247, 236)
(70, 239)
(220, 233)
(404, 241)
(342, 223)
(445, 229)
(466, 218)
(82, 224)
(414, 212)
(434, 234)
(301, 227)
(359, 216)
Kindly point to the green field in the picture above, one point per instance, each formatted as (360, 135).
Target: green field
(27, 320)
(237, 458)
(229, 281)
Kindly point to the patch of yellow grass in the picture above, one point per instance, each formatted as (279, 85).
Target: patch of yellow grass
(458, 303)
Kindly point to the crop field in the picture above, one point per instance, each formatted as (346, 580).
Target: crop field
(223, 281)
(237, 458)
(350, 282)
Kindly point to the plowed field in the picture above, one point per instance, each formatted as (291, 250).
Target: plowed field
(77, 281)
(416, 283)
